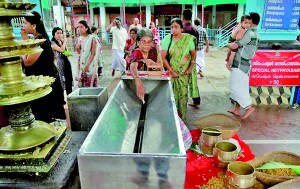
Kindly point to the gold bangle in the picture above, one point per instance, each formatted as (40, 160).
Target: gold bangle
(193, 61)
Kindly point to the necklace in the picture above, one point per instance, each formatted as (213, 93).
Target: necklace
(177, 37)
(145, 55)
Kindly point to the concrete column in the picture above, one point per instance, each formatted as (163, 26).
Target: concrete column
(148, 16)
(103, 24)
(240, 12)
(92, 17)
(195, 12)
(58, 15)
(62, 15)
(214, 16)
(122, 13)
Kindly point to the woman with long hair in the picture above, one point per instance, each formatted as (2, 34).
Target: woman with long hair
(181, 49)
(88, 53)
(59, 45)
(42, 63)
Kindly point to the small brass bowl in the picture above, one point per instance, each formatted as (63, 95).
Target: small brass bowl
(224, 153)
(208, 139)
(240, 174)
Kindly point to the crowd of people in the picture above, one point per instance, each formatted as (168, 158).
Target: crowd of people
(139, 47)
(181, 53)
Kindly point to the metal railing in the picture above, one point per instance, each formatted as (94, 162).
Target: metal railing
(223, 34)
(211, 33)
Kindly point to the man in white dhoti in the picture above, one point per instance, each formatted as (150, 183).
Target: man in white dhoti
(241, 66)
(200, 64)
(119, 36)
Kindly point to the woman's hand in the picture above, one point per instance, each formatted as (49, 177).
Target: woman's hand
(24, 34)
(78, 46)
(188, 71)
(149, 62)
(174, 74)
(86, 68)
(140, 90)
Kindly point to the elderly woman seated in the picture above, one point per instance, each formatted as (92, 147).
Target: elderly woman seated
(143, 56)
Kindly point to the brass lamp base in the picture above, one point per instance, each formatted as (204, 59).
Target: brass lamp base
(37, 133)
(39, 161)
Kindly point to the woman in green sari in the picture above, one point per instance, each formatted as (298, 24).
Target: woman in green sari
(181, 49)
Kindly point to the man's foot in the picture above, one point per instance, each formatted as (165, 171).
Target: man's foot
(164, 184)
(196, 106)
(113, 73)
(248, 112)
(201, 75)
(234, 111)
(139, 180)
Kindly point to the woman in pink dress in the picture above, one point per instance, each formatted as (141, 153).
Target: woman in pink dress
(156, 36)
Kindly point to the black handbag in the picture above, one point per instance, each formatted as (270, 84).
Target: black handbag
(168, 54)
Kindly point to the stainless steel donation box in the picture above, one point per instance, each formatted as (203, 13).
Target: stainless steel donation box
(85, 105)
(134, 145)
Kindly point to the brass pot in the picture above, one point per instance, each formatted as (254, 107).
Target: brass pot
(208, 139)
(225, 152)
(240, 174)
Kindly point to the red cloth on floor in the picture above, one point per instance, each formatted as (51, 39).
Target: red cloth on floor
(199, 168)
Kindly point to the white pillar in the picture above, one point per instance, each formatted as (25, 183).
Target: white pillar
(62, 15)
(58, 15)
(214, 16)
(103, 24)
(148, 16)
(122, 14)
(92, 17)
(240, 12)
(195, 12)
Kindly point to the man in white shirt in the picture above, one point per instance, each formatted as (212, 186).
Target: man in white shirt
(119, 35)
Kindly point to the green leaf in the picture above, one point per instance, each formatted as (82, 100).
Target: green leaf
(280, 165)
(195, 148)
(67, 53)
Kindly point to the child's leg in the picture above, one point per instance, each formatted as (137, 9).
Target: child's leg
(228, 55)
(231, 57)
(230, 60)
